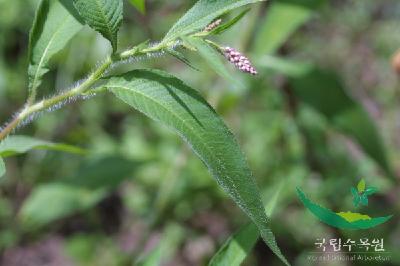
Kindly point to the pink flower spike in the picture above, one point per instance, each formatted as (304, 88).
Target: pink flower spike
(240, 61)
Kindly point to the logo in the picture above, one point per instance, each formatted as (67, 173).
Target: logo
(346, 220)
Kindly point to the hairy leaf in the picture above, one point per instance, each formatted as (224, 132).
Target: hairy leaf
(55, 23)
(105, 16)
(282, 19)
(201, 14)
(168, 100)
(20, 144)
(212, 57)
(139, 5)
(2, 167)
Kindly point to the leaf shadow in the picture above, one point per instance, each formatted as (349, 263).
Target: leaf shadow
(170, 82)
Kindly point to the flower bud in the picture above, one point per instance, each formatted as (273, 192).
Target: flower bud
(213, 25)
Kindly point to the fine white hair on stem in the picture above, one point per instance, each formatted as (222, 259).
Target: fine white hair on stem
(53, 108)
(146, 56)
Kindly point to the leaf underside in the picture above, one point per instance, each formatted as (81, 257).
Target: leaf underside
(168, 100)
(55, 23)
(104, 16)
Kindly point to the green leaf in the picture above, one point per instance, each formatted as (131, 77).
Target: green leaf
(55, 23)
(356, 200)
(212, 57)
(50, 202)
(281, 20)
(105, 16)
(139, 5)
(91, 183)
(168, 100)
(104, 172)
(21, 144)
(235, 250)
(371, 190)
(364, 200)
(201, 14)
(237, 247)
(354, 191)
(361, 186)
(287, 67)
(180, 57)
(324, 91)
(222, 28)
(2, 167)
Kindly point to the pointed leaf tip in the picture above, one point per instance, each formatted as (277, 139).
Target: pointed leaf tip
(169, 101)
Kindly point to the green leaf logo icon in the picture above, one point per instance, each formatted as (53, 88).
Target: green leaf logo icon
(361, 186)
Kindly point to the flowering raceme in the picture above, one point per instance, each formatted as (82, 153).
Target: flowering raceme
(239, 60)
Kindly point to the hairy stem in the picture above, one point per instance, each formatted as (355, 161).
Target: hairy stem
(47, 103)
(31, 108)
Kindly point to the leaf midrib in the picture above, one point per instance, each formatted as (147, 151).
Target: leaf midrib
(212, 15)
(39, 66)
(190, 128)
(110, 31)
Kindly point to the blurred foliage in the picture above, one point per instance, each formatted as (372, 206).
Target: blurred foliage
(322, 114)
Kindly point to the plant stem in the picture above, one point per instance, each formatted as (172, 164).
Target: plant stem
(30, 108)
(45, 104)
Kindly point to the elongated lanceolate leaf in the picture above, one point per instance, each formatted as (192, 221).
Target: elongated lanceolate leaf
(212, 57)
(201, 14)
(222, 28)
(105, 16)
(56, 22)
(20, 144)
(2, 167)
(168, 100)
(236, 248)
(282, 19)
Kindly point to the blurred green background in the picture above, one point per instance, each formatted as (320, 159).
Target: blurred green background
(322, 114)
